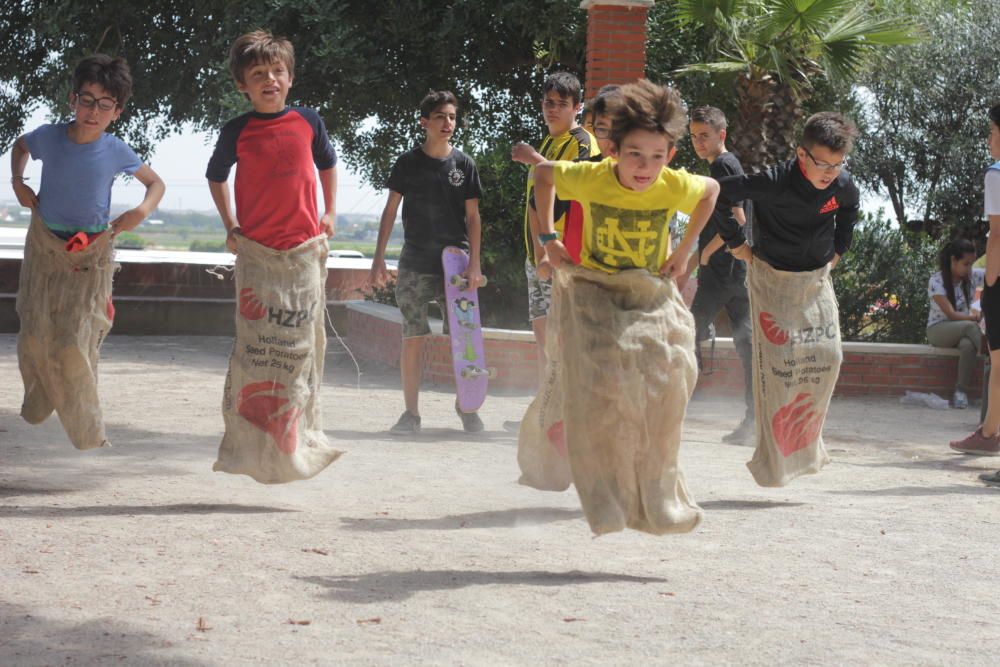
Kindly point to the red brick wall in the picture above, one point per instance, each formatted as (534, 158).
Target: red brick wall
(616, 44)
(870, 371)
(377, 339)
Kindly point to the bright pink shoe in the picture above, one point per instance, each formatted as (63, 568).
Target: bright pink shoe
(978, 444)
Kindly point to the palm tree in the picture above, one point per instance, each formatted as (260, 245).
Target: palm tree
(776, 50)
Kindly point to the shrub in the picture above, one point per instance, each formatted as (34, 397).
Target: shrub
(881, 283)
(130, 241)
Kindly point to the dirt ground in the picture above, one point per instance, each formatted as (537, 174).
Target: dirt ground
(426, 550)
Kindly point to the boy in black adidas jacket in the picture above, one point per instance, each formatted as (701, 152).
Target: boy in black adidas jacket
(805, 208)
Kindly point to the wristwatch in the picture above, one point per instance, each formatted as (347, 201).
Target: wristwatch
(545, 238)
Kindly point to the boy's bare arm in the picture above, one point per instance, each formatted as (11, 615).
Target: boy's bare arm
(688, 270)
(378, 274)
(18, 161)
(534, 230)
(328, 181)
(740, 215)
(545, 198)
(993, 251)
(699, 216)
(223, 204)
(525, 154)
(474, 228)
(711, 249)
(155, 188)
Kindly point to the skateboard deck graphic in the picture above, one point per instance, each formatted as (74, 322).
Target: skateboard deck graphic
(462, 308)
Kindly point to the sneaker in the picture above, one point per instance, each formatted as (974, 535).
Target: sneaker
(991, 478)
(743, 433)
(959, 400)
(408, 423)
(470, 421)
(978, 444)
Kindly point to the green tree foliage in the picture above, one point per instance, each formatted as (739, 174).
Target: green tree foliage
(924, 128)
(363, 65)
(879, 302)
(776, 52)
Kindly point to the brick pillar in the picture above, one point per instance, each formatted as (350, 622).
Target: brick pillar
(616, 42)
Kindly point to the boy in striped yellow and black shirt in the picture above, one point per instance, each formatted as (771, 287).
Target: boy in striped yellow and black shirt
(566, 140)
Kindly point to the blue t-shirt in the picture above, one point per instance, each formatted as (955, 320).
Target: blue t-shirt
(75, 194)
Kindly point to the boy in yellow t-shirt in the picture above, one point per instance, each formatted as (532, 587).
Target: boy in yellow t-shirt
(627, 338)
(628, 202)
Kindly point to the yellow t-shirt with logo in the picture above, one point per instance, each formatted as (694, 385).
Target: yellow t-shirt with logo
(622, 228)
(575, 144)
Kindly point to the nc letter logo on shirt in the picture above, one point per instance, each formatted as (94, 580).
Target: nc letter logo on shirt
(456, 177)
(625, 239)
(829, 206)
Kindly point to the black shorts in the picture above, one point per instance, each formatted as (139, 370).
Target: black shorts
(990, 302)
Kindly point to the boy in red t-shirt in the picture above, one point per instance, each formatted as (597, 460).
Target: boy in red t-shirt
(276, 150)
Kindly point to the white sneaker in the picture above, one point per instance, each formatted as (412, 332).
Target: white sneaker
(959, 400)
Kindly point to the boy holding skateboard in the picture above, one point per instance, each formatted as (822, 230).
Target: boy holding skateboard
(440, 190)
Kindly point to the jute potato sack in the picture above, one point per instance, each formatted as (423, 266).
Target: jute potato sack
(64, 303)
(541, 442)
(274, 430)
(796, 361)
(628, 369)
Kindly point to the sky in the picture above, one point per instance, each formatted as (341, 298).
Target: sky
(180, 161)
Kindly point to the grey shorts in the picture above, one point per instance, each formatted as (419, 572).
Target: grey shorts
(414, 292)
(539, 292)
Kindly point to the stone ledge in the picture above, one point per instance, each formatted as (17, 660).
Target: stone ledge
(392, 314)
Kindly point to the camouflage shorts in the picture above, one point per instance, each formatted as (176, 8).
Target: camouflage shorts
(539, 292)
(414, 292)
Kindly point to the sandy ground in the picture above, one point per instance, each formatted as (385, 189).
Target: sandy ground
(427, 551)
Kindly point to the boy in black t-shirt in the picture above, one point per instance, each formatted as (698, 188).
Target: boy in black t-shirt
(721, 277)
(440, 190)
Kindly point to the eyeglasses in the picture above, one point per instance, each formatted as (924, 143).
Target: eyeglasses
(102, 103)
(825, 166)
(602, 132)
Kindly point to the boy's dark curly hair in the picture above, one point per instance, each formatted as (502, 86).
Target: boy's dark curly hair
(644, 105)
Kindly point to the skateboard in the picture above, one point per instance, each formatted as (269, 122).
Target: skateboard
(465, 328)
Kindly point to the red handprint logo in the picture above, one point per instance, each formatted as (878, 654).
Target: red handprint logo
(772, 331)
(250, 306)
(259, 403)
(796, 425)
(557, 438)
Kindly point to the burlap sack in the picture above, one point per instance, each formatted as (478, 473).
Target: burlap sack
(64, 303)
(274, 430)
(541, 442)
(796, 361)
(627, 345)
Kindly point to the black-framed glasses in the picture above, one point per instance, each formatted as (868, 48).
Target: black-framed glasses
(602, 132)
(102, 103)
(825, 166)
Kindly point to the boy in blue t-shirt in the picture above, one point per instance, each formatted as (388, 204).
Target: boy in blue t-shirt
(80, 161)
(64, 293)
